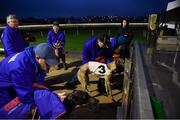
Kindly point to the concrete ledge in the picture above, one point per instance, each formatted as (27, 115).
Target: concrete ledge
(168, 43)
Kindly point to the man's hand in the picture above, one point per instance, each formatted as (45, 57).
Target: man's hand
(62, 96)
(58, 44)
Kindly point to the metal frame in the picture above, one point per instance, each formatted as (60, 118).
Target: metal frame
(140, 105)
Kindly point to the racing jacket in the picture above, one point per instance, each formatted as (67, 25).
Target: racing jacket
(21, 87)
(12, 40)
(53, 39)
(92, 52)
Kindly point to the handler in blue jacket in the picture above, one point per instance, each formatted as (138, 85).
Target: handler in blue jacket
(99, 49)
(117, 42)
(12, 40)
(56, 38)
(21, 84)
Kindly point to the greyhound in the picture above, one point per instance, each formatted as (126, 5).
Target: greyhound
(99, 69)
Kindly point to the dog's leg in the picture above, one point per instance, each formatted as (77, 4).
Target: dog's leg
(108, 85)
(83, 80)
(83, 77)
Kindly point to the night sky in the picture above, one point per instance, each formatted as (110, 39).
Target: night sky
(78, 8)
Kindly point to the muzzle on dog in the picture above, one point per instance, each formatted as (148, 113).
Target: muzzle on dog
(79, 97)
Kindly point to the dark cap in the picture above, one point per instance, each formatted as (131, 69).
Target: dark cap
(47, 52)
(104, 38)
(55, 23)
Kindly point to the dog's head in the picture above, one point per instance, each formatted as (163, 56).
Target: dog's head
(113, 65)
(119, 62)
(78, 97)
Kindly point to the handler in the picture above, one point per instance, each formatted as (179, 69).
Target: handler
(12, 40)
(56, 38)
(21, 84)
(97, 48)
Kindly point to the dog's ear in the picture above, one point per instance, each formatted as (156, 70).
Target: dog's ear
(78, 97)
(74, 91)
(118, 62)
(72, 97)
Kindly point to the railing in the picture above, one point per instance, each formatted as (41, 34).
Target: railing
(1, 50)
(87, 25)
(136, 99)
(140, 104)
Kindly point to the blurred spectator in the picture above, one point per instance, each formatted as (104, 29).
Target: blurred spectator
(124, 39)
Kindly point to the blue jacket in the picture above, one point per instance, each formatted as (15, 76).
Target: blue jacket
(18, 72)
(91, 51)
(114, 43)
(12, 40)
(53, 38)
(18, 75)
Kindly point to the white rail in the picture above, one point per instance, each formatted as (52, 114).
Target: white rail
(77, 25)
(2, 50)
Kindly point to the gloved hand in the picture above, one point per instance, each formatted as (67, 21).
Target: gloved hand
(62, 96)
(58, 44)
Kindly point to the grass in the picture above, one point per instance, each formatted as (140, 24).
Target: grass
(75, 40)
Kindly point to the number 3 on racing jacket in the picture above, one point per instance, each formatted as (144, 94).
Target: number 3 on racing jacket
(99, 68)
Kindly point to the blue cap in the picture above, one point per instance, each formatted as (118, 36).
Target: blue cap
(47, 52)
(56, 23)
